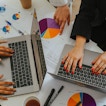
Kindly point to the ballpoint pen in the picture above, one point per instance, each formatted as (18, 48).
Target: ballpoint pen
(61, 88)
(9, 23)
(49, 97)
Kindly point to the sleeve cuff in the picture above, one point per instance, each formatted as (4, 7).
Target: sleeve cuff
(58, 2)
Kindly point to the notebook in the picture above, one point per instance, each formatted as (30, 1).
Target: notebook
(26, 68)
(84, 76)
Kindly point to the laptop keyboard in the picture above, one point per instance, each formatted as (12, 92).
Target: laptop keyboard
(20, 66)
(84, 76)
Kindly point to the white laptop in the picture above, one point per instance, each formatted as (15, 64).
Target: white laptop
(26, 68)
(84, 76)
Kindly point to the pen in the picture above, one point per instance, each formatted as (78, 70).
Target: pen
(9, 23)
(49, 97)
(61, 88)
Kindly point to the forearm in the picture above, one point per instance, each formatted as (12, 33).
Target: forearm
(80, 41)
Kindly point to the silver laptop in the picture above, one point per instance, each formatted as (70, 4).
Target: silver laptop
(26, 68)
(84, 76)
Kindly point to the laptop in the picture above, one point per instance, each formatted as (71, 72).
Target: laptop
(26, 68)
(84, 76)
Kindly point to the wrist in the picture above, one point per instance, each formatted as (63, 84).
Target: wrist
(80, 41)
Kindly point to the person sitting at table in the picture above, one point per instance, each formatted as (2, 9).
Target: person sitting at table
(4, 89)
(90, 23)
(62, 14)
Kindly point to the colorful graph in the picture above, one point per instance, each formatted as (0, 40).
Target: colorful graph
(6, 28)
(81, 99)
(49, 28)
(2, 9)
(16, 16)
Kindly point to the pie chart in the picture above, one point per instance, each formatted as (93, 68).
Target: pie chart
(6, 28)
(2, 9)
(81, 99)
(16, 16)
(48, 28)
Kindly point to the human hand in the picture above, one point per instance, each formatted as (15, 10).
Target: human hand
(4, 89)
(74, 57)
(99, 64)
(61, 16)
(5, 51)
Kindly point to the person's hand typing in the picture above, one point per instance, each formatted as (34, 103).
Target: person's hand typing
(99, 64)
(5, 89)
(61, 16)
(5, 51)
(74, 57)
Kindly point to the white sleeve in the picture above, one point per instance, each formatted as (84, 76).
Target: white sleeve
(59, 2)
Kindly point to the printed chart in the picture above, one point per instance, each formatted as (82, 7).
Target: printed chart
(81, 99)
(49, 28)
(16, 16)
(13, 21)
(2, 9)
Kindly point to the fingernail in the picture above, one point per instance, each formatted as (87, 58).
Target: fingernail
(67, 71)
(92, 63)
(92, 69)
(12, 83)
(0, 60)
(92, 73)
(72, 73)
(62, 62)
(1, 75)
(12, 51)
(96, 73)
(64, 68)
(11, 54)
(80, 67)
(60, 34)
(12, 92)
(14, 89)
(5, 98)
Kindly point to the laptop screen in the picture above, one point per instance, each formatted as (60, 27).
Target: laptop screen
(38, 51)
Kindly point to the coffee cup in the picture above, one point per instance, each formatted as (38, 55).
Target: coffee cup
(26, 4)
(32, 101)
